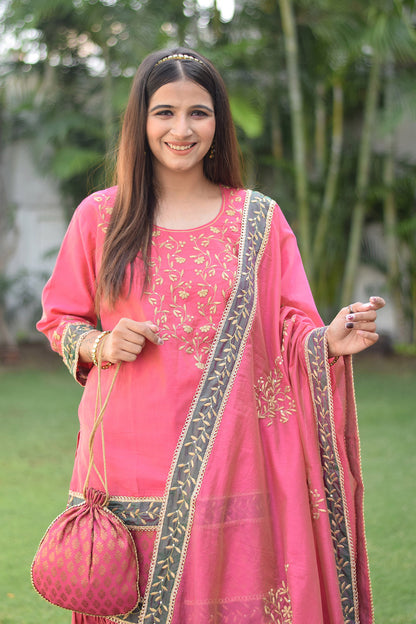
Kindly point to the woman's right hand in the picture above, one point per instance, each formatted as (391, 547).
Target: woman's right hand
(128, 339)
(124, 343)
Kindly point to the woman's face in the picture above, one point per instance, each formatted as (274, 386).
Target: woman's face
(180, 126)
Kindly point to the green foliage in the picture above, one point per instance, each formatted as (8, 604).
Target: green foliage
(247, 116)
(405, 349)
(66, 77)
(72, 161)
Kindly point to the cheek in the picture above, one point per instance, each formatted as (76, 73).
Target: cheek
(210, 130)
(152, 130)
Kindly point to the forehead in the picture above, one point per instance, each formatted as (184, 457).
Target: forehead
(181, 92)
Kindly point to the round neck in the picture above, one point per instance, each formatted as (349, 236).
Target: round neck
(204, 225)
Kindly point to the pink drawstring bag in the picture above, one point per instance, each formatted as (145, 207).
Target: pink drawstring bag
(87, 560)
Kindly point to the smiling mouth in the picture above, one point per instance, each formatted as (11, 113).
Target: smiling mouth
(180, 148)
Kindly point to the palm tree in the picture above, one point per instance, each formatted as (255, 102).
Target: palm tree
(388, 34)
(298, 128)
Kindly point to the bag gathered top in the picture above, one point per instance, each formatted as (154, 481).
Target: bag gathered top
(87, 560)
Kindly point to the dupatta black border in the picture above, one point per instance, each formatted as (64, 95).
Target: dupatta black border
(333, 474)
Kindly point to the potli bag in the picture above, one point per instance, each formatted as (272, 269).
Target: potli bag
(87, 560)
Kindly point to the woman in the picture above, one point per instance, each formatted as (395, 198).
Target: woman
(232, 417)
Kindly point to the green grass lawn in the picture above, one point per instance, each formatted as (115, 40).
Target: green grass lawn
(386, 398)
(38, 427)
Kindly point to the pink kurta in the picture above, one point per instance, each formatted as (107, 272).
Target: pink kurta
(228, 452)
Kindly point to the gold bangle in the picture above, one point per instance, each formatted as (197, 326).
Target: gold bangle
(334, 361)
(94, 350)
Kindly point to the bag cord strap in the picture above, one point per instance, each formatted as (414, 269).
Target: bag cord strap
(98, 422)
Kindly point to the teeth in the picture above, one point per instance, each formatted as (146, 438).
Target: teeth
(180, 148)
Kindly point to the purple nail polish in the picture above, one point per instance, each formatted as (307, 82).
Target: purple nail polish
(349, 325)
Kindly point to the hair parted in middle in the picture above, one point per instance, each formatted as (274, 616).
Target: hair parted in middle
(130, 229)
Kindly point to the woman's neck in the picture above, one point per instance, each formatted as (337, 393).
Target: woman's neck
(176, 183)
(186, 201)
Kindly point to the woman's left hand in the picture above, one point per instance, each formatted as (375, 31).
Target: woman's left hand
(354, 328)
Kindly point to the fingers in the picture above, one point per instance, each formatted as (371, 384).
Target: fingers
(365, 326)
(369, 337)
(377, 302)
(128, 338)
(354, 327)
(374, 303)
(362, 316)
(150, 331)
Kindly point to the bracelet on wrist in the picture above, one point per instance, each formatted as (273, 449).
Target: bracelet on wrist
(95, 347)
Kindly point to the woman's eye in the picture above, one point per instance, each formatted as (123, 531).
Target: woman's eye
(164, 113)
(199, 113)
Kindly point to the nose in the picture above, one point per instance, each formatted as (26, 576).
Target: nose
(181, 127)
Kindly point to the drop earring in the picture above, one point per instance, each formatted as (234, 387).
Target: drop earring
(212, 150)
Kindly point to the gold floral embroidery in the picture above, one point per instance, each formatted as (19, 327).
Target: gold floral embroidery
(212, 275)
(56, 340)
(72, 336)
(317, 503)
(188, 297)
(105, 204)
(274, 396)
(135, 512)
(277, 605)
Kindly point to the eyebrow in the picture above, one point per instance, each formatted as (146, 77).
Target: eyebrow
(208, 108)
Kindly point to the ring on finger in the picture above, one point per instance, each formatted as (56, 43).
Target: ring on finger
(351, 311)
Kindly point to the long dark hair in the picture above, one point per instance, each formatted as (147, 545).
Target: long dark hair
(131, 225)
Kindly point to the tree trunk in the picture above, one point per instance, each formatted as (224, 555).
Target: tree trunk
(277, 139)
(108, 102)
(320, 130)
(363, 179)
(8, 343)
(390, 216)
(298, 129)
(332, 177)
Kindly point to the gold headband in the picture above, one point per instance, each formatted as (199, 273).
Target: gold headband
(179, 57)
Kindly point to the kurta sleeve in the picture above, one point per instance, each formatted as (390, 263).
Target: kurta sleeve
(68, 297)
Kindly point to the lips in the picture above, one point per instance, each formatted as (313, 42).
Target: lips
(180, 148)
